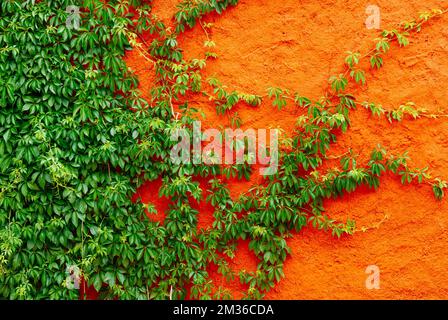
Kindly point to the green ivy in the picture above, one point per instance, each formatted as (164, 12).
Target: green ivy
(78, 140)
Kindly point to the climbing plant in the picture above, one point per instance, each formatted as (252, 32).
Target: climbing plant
(78, 139)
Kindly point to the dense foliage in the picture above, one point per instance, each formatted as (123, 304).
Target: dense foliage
(78, 139)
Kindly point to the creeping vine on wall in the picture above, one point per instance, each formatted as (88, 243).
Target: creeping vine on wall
(78, 140)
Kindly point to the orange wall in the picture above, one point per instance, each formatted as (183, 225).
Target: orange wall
(298, 45)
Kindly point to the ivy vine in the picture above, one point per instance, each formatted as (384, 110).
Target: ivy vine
(78, 140)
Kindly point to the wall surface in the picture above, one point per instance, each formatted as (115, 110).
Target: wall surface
(298, 45)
